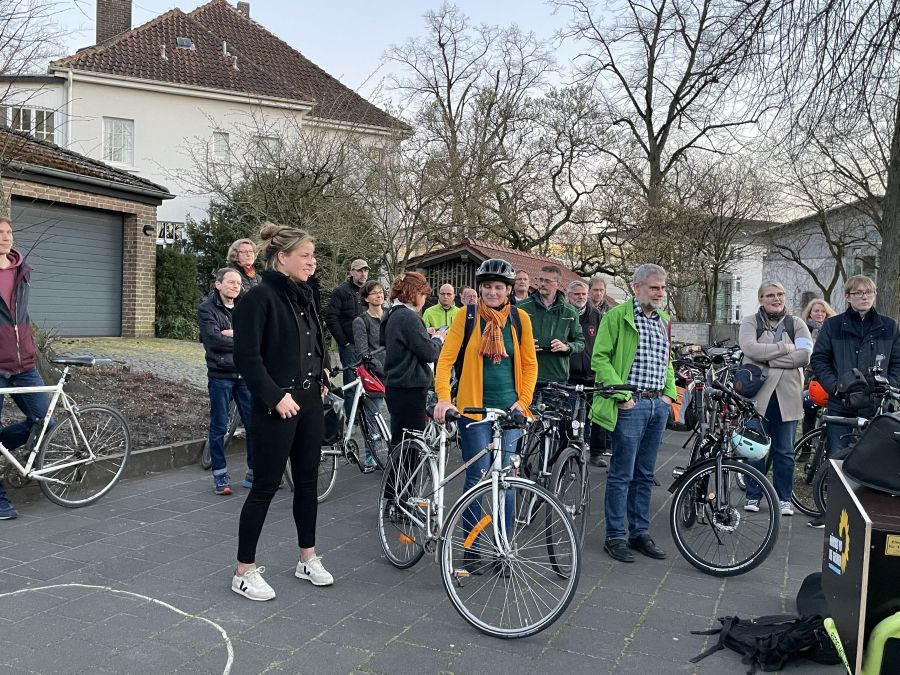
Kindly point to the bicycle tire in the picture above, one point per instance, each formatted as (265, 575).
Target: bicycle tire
(206, 456)
(710, 527)
(571, 487)
(106, 432)
(820, 487)
(809, 453)
(402, 538)
(374, 442)
(328, 459)
(516, 593)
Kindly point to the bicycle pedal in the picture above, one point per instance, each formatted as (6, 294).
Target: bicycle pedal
(678, 472)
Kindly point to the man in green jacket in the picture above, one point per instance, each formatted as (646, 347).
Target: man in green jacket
(441, 315)
(557, 330)
(632, 347)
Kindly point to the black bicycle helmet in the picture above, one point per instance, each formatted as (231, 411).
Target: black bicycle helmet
(495, 269)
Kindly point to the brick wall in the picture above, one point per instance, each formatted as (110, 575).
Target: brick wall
(138, 251)
(113, 17)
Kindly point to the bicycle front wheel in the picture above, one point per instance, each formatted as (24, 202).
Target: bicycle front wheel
(517, 586)
(721, 538)
(97, 437)
(820, 487)
(809, 453)
(206, 456)
(407, 503)
(570, 485)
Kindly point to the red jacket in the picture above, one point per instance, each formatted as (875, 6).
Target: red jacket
(16, 341)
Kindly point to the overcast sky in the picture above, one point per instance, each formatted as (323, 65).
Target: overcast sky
(347, 38)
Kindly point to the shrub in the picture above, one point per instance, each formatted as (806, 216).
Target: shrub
(176, 294)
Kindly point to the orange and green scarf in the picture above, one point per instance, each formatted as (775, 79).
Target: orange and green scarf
(492, 345)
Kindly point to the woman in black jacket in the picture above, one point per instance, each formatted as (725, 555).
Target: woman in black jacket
(859, 338)
(409, 354)
(279, 351)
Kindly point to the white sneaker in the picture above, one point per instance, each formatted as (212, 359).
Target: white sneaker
(251, 585)
(752, 505)
(313, 570)
(786, 509)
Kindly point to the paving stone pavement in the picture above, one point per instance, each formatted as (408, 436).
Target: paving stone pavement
(170, 359)
(140, 582)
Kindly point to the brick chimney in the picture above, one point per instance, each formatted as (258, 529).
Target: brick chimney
(113, 17)
(244, 8)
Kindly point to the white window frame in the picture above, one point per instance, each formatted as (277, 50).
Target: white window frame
(267, 150)
(30, 120)
(220, 148)
(118, 141)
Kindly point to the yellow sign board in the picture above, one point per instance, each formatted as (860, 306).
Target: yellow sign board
(892, 545)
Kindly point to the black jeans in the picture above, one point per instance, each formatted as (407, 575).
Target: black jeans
(274, 440)
(407, 408)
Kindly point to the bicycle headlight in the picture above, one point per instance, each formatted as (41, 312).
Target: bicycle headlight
(515, 461)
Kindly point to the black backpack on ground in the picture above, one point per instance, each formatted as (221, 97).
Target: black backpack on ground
(769, 642)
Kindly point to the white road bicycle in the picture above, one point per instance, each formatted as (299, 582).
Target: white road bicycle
(76, 457)
(376, 437)
(506, 577)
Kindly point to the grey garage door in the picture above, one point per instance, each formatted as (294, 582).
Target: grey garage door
(76, 285)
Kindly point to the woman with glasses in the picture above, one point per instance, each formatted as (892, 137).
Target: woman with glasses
(242, 257)
(859, 338)
(780, 345)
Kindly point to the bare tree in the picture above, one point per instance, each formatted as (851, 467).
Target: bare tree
(674, 77)
(840, 61)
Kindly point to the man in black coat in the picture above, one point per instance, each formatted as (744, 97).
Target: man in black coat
(344, 306)
(223, 381)
(859, 338)
(580, 364)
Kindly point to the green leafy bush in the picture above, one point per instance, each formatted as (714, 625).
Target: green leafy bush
(177, 295)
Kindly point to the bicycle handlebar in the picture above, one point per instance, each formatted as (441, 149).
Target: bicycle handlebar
(514, 417)
(858, 422)
(603, 390)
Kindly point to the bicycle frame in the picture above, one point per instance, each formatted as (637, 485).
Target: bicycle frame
(68, 404)
(498, 500)
(358, 393)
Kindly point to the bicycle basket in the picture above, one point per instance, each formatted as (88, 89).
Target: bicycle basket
(370, 383)
(334, 419)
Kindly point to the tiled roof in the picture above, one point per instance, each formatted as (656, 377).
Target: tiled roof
(23, 150)
(482, 250)
(266, 65)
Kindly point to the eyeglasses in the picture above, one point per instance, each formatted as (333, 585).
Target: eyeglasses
(773, 296)
(862, 294)
(542, 280)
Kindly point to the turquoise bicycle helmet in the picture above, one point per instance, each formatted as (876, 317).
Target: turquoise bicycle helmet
(750, 443)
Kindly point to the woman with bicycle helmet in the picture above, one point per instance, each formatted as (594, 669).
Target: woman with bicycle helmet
(498, 370)
(780, 345)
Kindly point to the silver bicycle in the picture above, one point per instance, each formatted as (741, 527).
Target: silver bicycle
(507, 577)
(76, 457)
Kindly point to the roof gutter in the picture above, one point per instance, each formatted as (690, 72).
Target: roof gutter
(91, 180)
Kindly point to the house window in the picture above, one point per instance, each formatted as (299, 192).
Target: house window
(267, 150)
(38, 122)
(118, 141)
(221, 148)
(867, 265)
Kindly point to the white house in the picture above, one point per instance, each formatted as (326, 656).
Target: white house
(141, 98)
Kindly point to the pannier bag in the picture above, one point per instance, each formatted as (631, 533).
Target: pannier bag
(875, 459)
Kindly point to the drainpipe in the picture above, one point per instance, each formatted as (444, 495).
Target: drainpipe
(70, 99)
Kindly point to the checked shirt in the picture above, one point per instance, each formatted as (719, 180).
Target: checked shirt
(648, 372)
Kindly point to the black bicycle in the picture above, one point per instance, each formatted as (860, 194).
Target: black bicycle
(714, 525)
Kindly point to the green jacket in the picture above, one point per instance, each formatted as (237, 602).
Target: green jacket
(614, 350)
(436, 316)
(560, 322)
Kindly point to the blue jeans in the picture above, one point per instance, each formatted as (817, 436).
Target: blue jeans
(348, 355)
(837, 438)
(33, 406)
(635, 444)
(221, 391)
(781, 454)
(472, 440)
